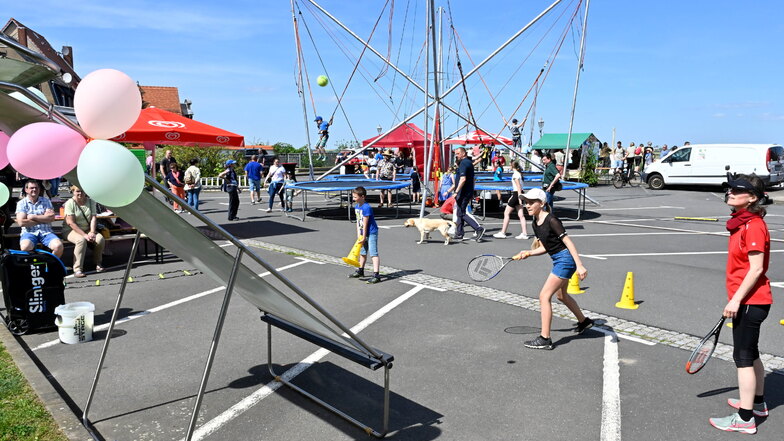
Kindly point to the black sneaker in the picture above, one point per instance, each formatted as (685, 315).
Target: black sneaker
(479, 233)
(356, 274)
(582, 326)
(539, 343)
(458, 238)
(374, 279)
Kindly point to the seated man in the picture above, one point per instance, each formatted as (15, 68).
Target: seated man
(34, 213)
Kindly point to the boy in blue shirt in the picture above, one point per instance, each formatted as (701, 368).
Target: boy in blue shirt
(367, 232)
(323, 129)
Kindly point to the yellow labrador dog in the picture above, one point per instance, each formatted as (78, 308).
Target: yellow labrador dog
(425, 226)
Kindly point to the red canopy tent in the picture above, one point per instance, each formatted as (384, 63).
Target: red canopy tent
(407, 136)
(157, 126)
(478, 137)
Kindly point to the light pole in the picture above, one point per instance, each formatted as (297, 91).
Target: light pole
(379, 129)
(541, 126)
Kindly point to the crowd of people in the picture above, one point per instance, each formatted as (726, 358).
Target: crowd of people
(634, 157)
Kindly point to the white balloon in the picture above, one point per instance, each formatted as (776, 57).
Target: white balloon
(28, 101)
(107, 102)
(110, 174)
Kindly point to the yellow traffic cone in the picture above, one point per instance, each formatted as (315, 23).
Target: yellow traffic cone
(627, 297)
(574, 285)
(353, 256)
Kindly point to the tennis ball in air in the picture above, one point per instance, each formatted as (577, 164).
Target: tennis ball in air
(322, 80)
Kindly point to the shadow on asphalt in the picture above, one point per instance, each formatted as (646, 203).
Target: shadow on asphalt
(363, 400)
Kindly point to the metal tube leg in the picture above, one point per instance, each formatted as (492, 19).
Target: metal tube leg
(117, 304)
(214, 346)
(385, 429)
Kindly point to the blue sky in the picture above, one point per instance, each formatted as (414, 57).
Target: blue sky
(666, 72)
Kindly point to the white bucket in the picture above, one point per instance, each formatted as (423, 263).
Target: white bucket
(75, 322)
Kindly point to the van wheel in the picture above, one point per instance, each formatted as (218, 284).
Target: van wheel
(656, 182)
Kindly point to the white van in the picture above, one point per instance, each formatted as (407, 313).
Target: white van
(705, 164)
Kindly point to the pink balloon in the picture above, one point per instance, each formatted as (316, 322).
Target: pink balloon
(45, 150)
(3, 150)
(107, 103)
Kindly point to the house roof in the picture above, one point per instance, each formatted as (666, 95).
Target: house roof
(556, 141)
(38, 42)
(166, 98)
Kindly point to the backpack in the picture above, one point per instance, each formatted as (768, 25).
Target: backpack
(638, 150)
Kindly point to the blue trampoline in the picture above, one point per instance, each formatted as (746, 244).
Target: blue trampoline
(346, 186)
(506, 186)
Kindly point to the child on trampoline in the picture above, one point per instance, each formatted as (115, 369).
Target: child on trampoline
(367, 232)
(323, 129)
(554, 241)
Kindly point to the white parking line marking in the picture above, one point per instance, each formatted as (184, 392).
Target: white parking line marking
(637, 208)
(673, 253)
(174, 303)
(251, 400)
(611, 391)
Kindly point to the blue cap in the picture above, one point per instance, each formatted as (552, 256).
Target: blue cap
(230, 161)
(318, 118)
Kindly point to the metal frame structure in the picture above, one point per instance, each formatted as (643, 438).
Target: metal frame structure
(385, 362)
(436, 99)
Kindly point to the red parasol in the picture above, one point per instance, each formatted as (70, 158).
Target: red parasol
(157, 126)
(478, 137)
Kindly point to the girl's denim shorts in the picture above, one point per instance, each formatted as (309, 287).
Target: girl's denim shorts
(563, 264)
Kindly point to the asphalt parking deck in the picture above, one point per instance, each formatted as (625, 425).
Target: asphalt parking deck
(460, 370)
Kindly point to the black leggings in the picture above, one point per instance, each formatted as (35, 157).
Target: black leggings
(745, 333)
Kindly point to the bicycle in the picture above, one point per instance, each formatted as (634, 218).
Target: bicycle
(622, 177)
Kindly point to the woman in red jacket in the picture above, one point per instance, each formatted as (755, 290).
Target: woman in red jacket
(748, 290)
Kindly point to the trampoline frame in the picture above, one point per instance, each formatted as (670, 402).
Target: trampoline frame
(577, 187)
(340, 187)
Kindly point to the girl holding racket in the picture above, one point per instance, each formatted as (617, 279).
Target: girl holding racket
(748, 290)
(553, 240)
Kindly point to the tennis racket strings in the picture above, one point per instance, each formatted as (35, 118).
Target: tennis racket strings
(485, 267)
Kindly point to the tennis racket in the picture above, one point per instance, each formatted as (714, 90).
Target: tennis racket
(485, 267)
(702, 353)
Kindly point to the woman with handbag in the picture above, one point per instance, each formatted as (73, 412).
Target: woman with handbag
(275, 177)
(193, 184)
(81, 229)
(176, 179)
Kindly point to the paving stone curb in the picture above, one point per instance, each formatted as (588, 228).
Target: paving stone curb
(773, 363)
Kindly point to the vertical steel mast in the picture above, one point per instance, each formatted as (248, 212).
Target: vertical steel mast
(300, 88)
(431, 36)
(576, 86)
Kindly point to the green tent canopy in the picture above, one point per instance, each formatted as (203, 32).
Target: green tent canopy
(556, 141)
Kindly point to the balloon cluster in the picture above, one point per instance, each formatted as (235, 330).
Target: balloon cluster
(107, 103)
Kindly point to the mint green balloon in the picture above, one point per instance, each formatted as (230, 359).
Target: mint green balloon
(4, 194)
(110, 174)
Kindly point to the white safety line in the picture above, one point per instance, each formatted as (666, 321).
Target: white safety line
(637, 208)
(673, 253)
(174, 303)
(611, 390)
(672, 233)
(251, 400)
(606, 331)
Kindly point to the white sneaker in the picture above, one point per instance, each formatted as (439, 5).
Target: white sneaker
(521, 236)
(268, 210)
(500, 235)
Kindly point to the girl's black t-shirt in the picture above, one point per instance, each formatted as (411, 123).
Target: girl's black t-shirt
(551, 234)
